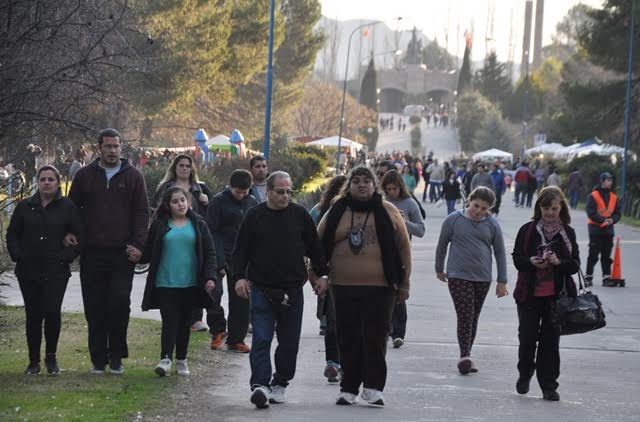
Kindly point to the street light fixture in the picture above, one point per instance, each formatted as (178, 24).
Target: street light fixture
(344, 87)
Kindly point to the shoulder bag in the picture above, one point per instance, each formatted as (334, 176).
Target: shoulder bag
(579, 314)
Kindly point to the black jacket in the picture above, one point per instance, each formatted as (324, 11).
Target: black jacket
(205, 251)
(592, 213)
(451, 190)
(115, 214)
(35, 235)
(526, 246)
(224, 216)
(196, 190)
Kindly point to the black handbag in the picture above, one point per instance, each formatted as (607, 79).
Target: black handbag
(579, 314)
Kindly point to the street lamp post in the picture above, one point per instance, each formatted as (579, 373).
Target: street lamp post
(344, 88)
(267, 112)
(627, 105)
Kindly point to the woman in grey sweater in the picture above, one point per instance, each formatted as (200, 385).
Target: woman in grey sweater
(473, 235)
(396, 192)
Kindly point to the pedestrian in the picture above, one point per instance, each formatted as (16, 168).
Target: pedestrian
(522, 177)
(499, 187)
(226, 211)
(574, 187)
(409, 179)
(554, 178)
(35, 236)
(451, 191)
(436, 172)
(471, 235)
(112, 198)
(182, 274)
(366, 241)
(603, 211)
(482, 178)
(259, 172)
(426, 176)
(268, 265)
(397, 193)
(326, 311)
(182, 172)
(546, 256)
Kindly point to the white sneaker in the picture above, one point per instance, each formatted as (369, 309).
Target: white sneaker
(345, 398)
(182, 368)
(277, 394)
(260, 396)
(373, 397)
(199, 326)
(163, 367)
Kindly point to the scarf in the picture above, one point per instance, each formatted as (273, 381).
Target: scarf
(548, 231)
(391, 262)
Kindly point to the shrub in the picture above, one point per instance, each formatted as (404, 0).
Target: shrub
(415, 120)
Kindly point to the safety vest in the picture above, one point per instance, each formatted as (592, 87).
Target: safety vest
(603, 210)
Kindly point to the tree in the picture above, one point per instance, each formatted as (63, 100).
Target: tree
(464, 78)
(495, 132)
(436, 57)
(569, 28)
(526, 101)
(414, 49)
(369, 99)
(473, 108)
(492, 80)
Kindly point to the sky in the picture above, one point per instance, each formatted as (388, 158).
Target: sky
(437, 18)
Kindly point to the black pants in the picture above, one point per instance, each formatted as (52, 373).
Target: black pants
(496, 206)
(238, 318)
(330, 338)
(215, 313)
(106, 277)
(538, 331)
(175, 308)
(468, 298)
(42, 301)
(399, 320)
(363, 318)
(600, 244)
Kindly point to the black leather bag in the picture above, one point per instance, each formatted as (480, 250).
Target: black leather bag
(579, 314)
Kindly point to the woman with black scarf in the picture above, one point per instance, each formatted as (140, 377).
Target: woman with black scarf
(367, 245)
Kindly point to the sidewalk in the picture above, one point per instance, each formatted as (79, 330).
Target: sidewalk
(597, 383)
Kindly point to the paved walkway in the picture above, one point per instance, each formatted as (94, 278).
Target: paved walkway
(599, 378)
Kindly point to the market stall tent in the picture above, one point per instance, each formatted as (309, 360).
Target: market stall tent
(493, 154)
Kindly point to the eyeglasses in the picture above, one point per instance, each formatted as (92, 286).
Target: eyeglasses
(283, 191)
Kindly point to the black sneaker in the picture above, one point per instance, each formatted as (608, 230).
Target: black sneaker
(115, 367)
(588, 281)
(51, 363)
(551, 395)
(33, 368)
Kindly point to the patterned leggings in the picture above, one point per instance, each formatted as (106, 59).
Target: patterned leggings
(468, 297)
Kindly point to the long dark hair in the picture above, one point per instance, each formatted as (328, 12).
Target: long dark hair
(546, 197)
(392, 177)
(163, 212)
(331, 191)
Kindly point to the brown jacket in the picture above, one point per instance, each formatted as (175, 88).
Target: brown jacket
(365, 268)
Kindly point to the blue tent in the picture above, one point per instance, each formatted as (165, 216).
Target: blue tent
(236, 137)
(201, 142)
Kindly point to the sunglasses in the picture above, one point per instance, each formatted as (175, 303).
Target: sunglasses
(283, 191)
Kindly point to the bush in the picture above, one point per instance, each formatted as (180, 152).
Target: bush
(415, 120)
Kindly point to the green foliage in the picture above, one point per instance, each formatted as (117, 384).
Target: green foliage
(436, 57)
(495, 132)
(416, 140)
(414, 49)
(473, 108)
(492, 80)
(414, 120)
(368, 90)
(530, 90)
(464, 78)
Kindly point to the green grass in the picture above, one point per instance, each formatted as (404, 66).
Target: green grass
(75, 394)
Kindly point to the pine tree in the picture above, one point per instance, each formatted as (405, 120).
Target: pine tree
(492, 81)
(436, 57)
(464, 79)
(369, 99)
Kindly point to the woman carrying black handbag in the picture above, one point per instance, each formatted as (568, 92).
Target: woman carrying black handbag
(546, 256)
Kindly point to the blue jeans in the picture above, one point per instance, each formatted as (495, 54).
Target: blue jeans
(521, 193)
(435, 191)
(451, 206)
(574, 197)
(287, 324)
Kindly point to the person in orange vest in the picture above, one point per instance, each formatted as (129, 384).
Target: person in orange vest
(603, 210)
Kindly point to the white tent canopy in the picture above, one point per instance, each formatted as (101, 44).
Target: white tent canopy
(551, 148)
(492, 155)
(218, 140)
(332, 141)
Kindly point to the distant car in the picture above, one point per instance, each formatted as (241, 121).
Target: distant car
(413, 110)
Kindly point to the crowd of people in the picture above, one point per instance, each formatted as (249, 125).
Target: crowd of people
(354, 247)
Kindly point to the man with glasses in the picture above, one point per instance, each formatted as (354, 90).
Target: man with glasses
(112, 198)
(259, 172)
(268, 265)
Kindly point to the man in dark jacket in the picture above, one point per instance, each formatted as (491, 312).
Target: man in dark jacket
(226, 211)
(603, 210)
(112, 198)
(268, 264)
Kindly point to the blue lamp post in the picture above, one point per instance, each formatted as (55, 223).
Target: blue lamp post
(267, 113)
